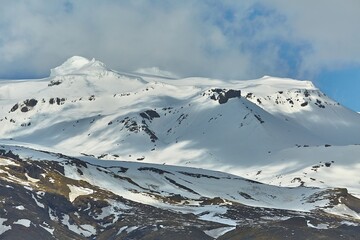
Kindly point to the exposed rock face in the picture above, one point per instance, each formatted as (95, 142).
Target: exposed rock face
(30, 102)
(149, 114)
(58, 101)
(223, 95)
(55, 81)
(25, 106)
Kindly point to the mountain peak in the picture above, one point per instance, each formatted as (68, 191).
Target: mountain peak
(77, 65)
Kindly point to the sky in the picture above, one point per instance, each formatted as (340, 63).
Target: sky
(309, 40)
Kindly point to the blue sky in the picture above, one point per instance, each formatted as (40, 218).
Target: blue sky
(342, 85)
(311, 40)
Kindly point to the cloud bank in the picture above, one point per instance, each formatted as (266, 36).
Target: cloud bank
(227, 39)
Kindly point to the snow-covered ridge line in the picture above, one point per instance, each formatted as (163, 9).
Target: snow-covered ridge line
(141, 181)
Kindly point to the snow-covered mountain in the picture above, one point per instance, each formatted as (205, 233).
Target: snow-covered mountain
(275, 131)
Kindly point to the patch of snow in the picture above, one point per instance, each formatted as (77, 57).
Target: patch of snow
(52, 215)
(28, 188)
(217, 232)
(76, 191)
(33, 180)
(20, 207)
(89, 228)
(116, 205)
(275, 218)
(24, 222)
(85, 230)
(319, 226)
(37, 202)
(342, 210)
(130, 229)
(121, 230)
(105, 211)
(3, 228)
(71, 172)
(213, 215)
(350, 223)
(5, 162)
(40, 193)
(115, 209)
(50, 230)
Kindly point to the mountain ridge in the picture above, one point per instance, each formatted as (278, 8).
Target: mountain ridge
(272, 114)
(155, 140)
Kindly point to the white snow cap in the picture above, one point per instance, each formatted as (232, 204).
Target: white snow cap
(77, 65)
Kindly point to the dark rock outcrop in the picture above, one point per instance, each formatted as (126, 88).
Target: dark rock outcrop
(224, 95)
(149, 114)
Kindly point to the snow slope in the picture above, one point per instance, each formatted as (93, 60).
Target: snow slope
(278, 131)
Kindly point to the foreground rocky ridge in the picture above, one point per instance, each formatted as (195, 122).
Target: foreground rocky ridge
(52, 196)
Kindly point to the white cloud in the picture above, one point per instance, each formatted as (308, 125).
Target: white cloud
(331, 28)
(209, 38)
